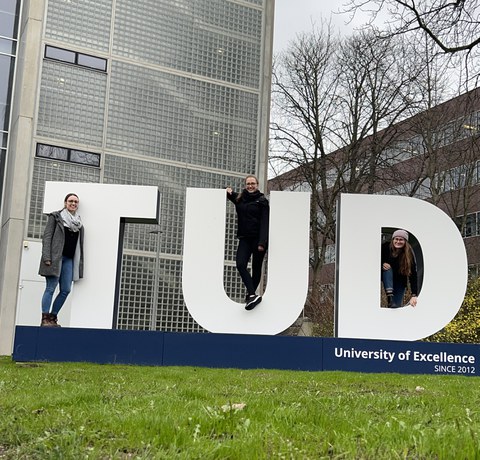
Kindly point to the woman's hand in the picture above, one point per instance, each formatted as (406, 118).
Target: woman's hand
(260, 248)
(413, 301)
(386, 266)
(229, 190)
(48, 263)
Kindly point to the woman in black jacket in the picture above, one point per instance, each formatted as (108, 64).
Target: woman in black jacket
(252, 212)
(398, 268)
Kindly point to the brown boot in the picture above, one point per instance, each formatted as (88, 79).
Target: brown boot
(389, 300)
(45, 320)
(53, 320)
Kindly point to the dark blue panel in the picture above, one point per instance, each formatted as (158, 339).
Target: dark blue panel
(94, 345)
(243, 351)
(403, 357)
(25, 345)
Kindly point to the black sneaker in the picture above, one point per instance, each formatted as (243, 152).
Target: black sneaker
(252, 301)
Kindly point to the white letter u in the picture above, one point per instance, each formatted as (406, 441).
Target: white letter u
(203, 261)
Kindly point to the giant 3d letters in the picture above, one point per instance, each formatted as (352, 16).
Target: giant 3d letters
(360, 221)
(358, 313)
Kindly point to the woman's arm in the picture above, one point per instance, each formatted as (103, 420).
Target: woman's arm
(231, 195)
(264, 225)
(413, 279)
(47, 240)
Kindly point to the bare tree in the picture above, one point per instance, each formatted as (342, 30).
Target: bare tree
(304, 80)
(453, 25)
(416, 140)
(332, 104)
(379, 87)
(440, 144)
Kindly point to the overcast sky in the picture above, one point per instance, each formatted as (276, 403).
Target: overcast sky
(294, 16)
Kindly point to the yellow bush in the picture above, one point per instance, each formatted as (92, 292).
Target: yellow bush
(465, 327)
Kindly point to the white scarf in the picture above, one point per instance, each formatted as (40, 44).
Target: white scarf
(72, 221)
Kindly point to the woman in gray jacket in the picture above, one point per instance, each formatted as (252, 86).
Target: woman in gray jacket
(62, 257)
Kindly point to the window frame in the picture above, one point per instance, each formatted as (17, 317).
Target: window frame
(68, 152)
(76, 55)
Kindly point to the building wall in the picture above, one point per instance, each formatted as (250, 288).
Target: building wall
(182, 101)
(9, 18)
(435, 156)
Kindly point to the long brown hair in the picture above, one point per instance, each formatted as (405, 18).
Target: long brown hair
(405, 257)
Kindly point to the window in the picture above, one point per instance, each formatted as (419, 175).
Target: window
(59, 54)
(471, 224)
(70, 155)
(330, 254)
(473, 271)
(73, 57)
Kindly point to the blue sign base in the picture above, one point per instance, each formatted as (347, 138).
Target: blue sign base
(109, 346)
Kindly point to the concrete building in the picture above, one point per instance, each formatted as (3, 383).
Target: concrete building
(170, 93)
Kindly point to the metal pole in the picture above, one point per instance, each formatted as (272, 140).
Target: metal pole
(156, 279)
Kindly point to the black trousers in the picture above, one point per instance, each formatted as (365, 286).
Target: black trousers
(248, 247)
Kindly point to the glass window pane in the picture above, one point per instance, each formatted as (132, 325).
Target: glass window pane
(85, 158)
(9, 6)
(470, 226)
(49, 151)
(59, 54)
(8, 12)
(6, 75)
(93, 62)
(8, 46)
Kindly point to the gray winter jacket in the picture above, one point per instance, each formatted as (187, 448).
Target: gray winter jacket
(52, 248)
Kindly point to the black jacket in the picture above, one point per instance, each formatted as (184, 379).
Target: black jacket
(395, 264)
(253, 212)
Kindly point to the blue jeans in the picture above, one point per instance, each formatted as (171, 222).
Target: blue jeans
(65, 280)
(393, 288)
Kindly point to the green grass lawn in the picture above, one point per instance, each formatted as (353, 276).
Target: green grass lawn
(74, 411)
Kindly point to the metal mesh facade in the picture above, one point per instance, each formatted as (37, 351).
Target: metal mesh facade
(177, 107)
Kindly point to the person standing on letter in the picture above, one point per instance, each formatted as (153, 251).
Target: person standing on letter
(62, 257)
(252, 213)
(398, 267)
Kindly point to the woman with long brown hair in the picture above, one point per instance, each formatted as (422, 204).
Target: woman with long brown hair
(399, 268)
